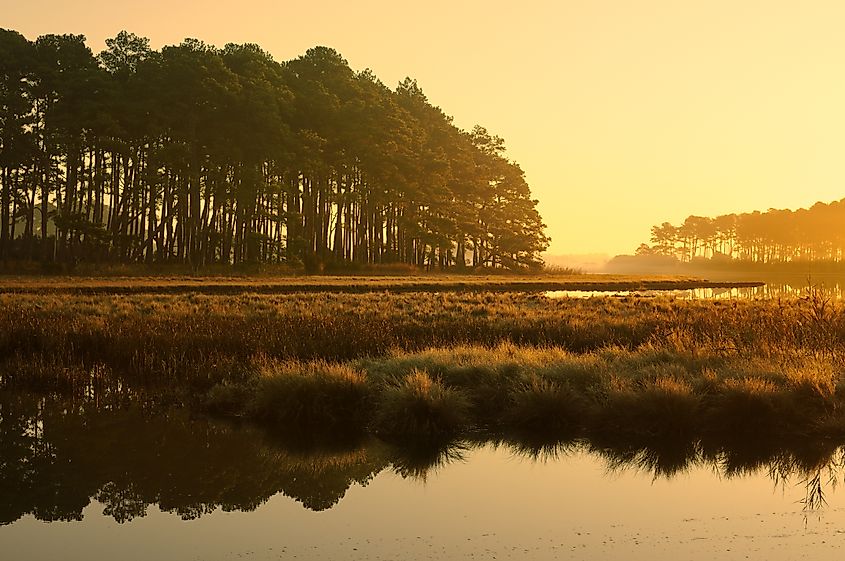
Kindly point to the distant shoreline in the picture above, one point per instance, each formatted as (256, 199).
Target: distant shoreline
(289, 285)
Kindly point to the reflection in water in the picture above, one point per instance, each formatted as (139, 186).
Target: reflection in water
(773, 289)
(55, 458)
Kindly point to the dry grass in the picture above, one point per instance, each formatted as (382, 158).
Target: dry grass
(518, 362)
(316, 397)
(647, 397)
(419, 407)
(228, 284)
(157, 335)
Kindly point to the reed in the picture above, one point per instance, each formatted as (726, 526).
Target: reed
(546, 407)
(316, 396)
(442, 364)
(419, 407)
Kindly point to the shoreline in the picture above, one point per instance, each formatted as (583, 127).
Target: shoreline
(351, 285)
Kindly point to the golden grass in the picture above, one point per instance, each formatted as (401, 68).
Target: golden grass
(518, 362)
(314, 396)
(418, 406)
(201, 338)
(549, 395)
(293, 283)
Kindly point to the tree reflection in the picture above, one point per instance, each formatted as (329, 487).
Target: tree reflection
(55, 457)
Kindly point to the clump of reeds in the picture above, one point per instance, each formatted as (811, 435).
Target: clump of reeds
(314, 396)
(487, 387)
(664, 409)
(544, 407)
(228, 399)
(420, 407)
(747, 409)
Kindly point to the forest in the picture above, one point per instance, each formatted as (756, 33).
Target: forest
(771, 237)
(198, 155)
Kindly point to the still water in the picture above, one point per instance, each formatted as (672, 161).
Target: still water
(78, 483)
(771, 290)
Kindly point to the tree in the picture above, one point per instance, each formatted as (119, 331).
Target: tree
(196, 155)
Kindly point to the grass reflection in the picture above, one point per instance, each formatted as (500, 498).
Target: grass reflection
(419, 460)
(55, 457)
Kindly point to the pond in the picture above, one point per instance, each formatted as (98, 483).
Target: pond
(79, 482)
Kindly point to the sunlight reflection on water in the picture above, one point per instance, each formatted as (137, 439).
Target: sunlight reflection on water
(82, 484)
(492, 505)
(769, 291)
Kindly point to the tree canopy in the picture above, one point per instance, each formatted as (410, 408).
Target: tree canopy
(196, 154)
(774, 236)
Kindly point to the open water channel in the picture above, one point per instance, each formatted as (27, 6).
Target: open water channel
(773, 289)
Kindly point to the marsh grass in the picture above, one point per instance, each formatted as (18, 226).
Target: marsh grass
(419, 407)
(366, 280)
(436, 365)
(227, 399)
(315, 396)
(541, 407)
(167, 336)
(547, 396)
(663, 410)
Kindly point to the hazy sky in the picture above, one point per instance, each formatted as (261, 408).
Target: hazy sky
(623, 114)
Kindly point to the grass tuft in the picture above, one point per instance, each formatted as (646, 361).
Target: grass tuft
(663, 410)
(420, 407)
(546, 407)
(315, 396)
(747, 409)
(227, 399)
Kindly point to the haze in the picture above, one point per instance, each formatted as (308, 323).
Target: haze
(623, 114)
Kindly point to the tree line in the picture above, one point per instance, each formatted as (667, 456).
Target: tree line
(199, 155)
(774, 236)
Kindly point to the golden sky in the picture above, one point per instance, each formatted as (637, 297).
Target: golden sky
(623, 114)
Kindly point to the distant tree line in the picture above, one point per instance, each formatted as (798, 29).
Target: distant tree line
(774, 236)
(200, 155)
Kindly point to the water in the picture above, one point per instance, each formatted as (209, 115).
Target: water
(79, 483)
(689, 294)
(771, 290)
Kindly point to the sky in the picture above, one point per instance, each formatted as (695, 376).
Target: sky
(623, 114)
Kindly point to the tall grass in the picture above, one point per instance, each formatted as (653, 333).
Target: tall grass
(545, 407)
(419, 407)
(316, 397)
(167, 337)
(651, 397)
(443, 364)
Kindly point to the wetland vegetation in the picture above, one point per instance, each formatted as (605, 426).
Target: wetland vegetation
(291, 283)
(426, 366)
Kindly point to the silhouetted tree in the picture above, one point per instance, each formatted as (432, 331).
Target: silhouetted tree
(774, 236)
(198, 155)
